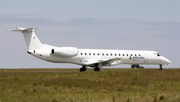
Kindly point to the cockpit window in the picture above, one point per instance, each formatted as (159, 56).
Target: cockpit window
(158, 54)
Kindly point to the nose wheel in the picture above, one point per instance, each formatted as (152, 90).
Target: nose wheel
(160, 67)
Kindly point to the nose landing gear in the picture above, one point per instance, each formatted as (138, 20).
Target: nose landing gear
(160, 67)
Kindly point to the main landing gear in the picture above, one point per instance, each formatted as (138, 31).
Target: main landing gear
(83, 69)
(97, 69)
(160, 67)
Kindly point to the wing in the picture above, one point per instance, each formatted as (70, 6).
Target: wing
(105, 62)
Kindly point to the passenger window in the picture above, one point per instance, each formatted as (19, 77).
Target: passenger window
(127, 54)
(111, 54)
(93, 53)
(119, 54)
(131, 55)
(85, 54)
(135, 54)
(123, 54)
(107, 54)
(139, 55)
(89, 53)
(103, 54)
(115, 54)
(98, 54)
(81, 53)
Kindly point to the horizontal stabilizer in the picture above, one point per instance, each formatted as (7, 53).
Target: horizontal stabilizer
(24, 29)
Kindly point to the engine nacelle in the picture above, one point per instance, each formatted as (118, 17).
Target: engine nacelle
(65, 51)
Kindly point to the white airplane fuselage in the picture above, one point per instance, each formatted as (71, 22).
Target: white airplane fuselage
(89, 57)
(85, 56)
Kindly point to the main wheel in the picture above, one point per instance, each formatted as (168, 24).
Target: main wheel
(96, 69)
(83, 69)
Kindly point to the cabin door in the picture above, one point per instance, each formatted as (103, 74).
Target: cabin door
(145, 57)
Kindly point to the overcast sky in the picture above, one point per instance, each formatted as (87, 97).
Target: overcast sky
(98, 24)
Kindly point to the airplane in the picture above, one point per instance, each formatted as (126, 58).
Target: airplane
(95, 58)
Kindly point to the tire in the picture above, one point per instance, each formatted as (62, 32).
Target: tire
(96, 69)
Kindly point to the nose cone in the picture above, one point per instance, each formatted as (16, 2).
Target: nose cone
(165, 60)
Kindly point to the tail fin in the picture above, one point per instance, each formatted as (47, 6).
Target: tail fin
(32, 41)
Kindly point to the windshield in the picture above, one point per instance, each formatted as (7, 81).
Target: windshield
(158, 54)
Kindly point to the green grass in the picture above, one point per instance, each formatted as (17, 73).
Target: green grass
(108, 85)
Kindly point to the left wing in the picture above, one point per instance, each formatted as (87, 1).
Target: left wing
(105, 62)
(113, 61)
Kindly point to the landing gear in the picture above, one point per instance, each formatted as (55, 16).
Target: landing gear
(160, 67)
(135, 66)
(97, 69)
(83, 69)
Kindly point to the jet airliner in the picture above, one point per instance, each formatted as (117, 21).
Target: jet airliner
(96, 58)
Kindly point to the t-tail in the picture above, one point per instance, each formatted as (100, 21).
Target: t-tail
(31, 40)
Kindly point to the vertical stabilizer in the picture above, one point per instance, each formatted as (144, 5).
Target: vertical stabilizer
(32, 41)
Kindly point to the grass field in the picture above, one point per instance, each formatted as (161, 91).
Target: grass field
(108, 85)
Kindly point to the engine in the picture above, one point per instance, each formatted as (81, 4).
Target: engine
(65, 51)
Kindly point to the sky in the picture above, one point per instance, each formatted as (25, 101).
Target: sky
(97, 24)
